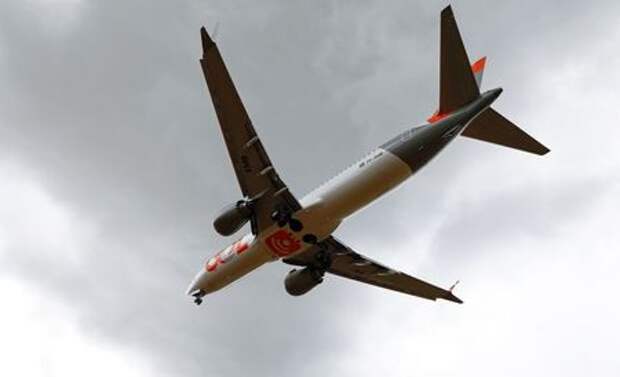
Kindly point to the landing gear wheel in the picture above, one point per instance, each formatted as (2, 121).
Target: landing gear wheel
(281, 217)
(296, 225)
(198, 297)
(310, 239)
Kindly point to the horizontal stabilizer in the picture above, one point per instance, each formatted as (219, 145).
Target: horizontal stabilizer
(492, 127)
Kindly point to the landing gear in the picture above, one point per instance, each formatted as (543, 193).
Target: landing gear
(283, 216)
(295, 225)
(198, 297)
(280, 213)
(310, 239)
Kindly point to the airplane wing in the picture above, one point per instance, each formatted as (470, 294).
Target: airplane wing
(345, 262)
(257, 177)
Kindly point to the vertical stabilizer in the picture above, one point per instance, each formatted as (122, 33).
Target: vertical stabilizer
(457, 85)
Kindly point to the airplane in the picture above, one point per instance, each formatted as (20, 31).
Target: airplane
(300, 232)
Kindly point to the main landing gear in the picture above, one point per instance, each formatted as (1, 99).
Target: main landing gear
(295, 225)
(283, 216)
(309, 239)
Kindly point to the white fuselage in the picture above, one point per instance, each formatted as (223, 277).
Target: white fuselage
(322, 211)
(324, 208)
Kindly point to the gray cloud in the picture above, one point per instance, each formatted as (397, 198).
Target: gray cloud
(108, 111)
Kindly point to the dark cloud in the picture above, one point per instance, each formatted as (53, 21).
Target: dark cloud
(110, 113)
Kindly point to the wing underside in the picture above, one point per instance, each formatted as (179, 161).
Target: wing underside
(345, 262)
(258, 179)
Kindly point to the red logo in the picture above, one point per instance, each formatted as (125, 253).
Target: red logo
(282, 243)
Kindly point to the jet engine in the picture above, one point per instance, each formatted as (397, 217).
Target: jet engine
(232, 217)
(298, 282)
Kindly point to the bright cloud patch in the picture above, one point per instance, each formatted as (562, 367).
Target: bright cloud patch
(40, 338)
(34, 223)
(40, 334)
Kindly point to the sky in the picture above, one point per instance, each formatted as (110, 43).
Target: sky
(113, 166)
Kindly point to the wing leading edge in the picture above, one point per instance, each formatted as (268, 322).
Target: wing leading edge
(345, 262)
(258, 179)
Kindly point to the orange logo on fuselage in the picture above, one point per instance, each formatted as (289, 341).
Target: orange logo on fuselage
(282, 243)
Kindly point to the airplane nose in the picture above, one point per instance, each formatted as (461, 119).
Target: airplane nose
(191, 289)
(194, 285)
(197, 288)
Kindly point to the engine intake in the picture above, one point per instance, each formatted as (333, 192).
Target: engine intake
(298, 282)
(232, 217)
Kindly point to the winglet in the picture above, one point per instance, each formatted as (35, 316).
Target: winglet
(450, 296)
(453, 298)
(207, 42)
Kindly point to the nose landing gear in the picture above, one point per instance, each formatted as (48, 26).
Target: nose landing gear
(198, 297)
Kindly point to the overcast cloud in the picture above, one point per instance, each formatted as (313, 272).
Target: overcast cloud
(113, 166)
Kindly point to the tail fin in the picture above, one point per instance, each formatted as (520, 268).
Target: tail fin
(492, 127)
(458, 81)
(457, 85)
(478, 69)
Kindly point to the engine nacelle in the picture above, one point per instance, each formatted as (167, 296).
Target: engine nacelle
(298, 282)
(232, 217)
